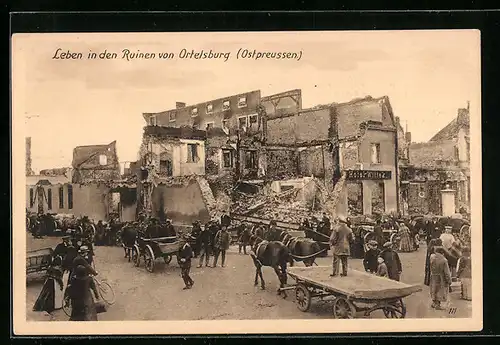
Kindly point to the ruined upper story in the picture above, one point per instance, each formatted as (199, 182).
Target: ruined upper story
(449, 148)
(95, 162)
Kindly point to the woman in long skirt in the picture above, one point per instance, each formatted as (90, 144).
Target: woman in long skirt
(51, 296)
(405, 244)
(82, 301)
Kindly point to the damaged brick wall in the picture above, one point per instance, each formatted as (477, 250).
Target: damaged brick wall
(312, 161)
(281, 163)
(313, 125)
(349, 154)
(281, 131)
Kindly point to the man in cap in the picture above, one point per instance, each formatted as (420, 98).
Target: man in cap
(222, 241)
(370, 259)
(392, 261)
(340, 241)
(184, 256)
(203, 242)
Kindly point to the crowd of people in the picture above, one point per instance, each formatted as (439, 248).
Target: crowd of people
(70, 276)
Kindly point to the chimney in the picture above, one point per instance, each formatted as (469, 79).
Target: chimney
(180, 105)
(468, 106)
(408, 137)
(397, 121)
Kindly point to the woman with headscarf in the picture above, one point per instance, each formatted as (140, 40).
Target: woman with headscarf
(80, 292)
(51, 296)
(405, 244)
(440, 278)
(430, 250)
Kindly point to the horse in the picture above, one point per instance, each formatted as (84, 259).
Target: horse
(271, 254)
(301, 249)
(129, 234)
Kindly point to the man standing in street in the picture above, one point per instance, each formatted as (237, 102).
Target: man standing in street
(340, 240)
(184, 256)
(222, 240)
(204, 245)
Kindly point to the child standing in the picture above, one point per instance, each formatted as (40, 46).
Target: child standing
(382, 268)
(464, 274)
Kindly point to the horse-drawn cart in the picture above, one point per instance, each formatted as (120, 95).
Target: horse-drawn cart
(38, 260)
(152, 248)
(358, 292)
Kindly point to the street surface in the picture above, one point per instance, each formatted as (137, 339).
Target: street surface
(221, 293)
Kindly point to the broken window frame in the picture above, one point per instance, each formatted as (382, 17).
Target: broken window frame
(239, 122)
(207, 125)
(70, 196)
(380, 185)
(251, 159)
(375, 153)
(251, 124)
(61, 197)
(153, 120)
(49, 199)
(32, 197)
(172, 116)
(192, 153)
(231, 158)
(103, 160)
(360, 200)
(166, 168)
(242, 101)
(210, 108)
(226, 105)
(194, 111)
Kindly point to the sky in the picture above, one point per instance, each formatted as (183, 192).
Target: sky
(63, 103)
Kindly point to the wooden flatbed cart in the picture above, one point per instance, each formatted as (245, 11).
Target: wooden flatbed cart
(38, 260)
(358, 292)
(152, 248)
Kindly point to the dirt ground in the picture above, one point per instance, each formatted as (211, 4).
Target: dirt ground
(221, 293)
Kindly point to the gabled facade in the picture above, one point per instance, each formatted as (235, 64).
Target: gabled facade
(95, 163)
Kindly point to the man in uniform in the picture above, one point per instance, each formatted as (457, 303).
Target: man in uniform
(340, 240)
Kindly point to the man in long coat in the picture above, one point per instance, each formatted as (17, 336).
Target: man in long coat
(340, 241)
(440, 278)
(392, 261)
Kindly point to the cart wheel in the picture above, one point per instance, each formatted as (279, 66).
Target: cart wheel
(167, 258)
(395, 239)
(343, 309)
(303, 297)
(66, 306)
(397, 310)
(106, 292)
(136, 257)
(149, 259)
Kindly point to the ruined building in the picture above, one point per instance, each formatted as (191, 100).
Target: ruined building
(441, 164)
(95, 163)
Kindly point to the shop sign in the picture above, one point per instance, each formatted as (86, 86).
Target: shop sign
(368, 175)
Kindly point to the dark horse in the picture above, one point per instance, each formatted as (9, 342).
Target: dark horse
(301, 249)
(128, 236)
(271, 254)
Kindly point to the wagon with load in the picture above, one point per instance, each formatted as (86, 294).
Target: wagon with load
(355, 293)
